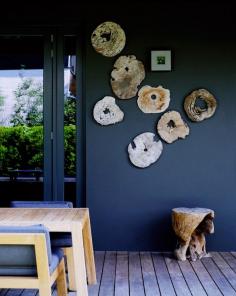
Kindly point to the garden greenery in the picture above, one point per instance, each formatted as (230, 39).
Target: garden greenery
(21, 147)
(21, 144)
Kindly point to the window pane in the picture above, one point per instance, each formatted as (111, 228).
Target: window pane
(21, 117)
(70, 118)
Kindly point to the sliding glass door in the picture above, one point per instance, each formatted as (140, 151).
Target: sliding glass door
(21, 117)
(38, 117)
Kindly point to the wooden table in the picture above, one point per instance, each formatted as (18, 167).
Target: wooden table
(72, 220)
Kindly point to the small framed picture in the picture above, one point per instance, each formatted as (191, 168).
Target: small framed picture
(161, 60)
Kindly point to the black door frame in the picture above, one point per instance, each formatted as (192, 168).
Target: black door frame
(54, 190)
(53, 106)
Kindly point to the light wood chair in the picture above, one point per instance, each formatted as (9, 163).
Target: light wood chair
(59, 239)
(42, 273)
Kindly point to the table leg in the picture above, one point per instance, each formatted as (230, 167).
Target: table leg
(89, 253)
(71, 269)
(79, 260)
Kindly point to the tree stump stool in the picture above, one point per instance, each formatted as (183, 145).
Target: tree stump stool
(190, 226)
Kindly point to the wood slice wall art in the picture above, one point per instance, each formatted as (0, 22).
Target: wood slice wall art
(106, 111)
(171, 127)
(126, 76)
(153, 99)
(145, 150)
(108, 39)
(194, 111)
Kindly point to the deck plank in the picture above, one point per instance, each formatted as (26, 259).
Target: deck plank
(176, 275)
(218, 277)
(149, 276)
(162, 274)
(108, 276)
(155, 274)
(191, 278)
(230, 259)
(234, 254)
(99, 262)
(205, 279)
(135, 275)
(122, 274)
(225, 268)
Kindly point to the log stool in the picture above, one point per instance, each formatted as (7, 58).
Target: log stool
(190, 226)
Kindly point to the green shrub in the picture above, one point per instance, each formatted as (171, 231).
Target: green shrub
(70, 150)
(21, 147)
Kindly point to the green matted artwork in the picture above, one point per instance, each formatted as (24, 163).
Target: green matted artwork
(161, 60)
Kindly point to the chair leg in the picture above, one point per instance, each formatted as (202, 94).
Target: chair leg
(61, 280)
(70, 267)
(45, 290)
(44, 279)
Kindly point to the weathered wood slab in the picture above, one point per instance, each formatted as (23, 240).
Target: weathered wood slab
(190, 226)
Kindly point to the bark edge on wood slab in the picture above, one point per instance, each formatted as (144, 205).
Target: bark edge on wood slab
(190, 226)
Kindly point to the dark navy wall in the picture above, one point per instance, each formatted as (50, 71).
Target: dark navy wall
(130, 207)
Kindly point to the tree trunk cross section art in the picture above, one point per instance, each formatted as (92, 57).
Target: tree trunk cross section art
(190, 226)
(109, 39)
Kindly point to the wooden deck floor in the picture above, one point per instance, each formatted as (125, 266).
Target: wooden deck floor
(152, 274)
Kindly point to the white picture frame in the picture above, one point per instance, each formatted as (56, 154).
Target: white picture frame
(161, 60)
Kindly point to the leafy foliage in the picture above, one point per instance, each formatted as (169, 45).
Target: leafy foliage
(70, 111)
(28, 109)
(70, 150)
(21, 147)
